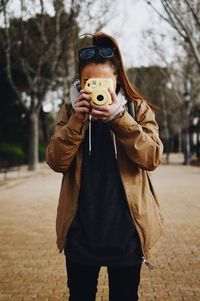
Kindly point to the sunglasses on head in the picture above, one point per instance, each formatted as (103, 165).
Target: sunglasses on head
(90, 52)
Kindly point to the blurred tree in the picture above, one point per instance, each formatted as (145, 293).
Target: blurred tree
(153, 82)
(184, 70)
(13, 138)
(2, 4)
(184, 18)
(31, 52)
(12, 115)
(39, 52)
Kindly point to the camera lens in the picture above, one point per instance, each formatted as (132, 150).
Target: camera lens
(100, 97)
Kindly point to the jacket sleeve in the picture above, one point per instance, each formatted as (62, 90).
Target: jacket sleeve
(63, 145)
(140, 138)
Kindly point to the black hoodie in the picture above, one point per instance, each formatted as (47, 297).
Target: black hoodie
(102, 232)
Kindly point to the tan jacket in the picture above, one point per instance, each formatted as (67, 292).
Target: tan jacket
(139, 151)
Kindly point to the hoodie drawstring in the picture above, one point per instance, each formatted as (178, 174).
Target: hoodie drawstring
(90, 135)
(90, 138)
(115, 144)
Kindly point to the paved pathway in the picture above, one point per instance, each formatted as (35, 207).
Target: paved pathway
(31, 269)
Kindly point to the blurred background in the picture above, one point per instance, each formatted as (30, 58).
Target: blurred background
(160, 43)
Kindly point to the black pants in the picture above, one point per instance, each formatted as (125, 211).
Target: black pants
(82, 282)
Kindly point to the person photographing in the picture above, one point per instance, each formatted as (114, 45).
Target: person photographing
(108, 213)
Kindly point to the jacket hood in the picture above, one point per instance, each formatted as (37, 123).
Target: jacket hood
(75, 90)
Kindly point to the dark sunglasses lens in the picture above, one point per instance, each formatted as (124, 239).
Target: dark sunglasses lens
(106, 52)
(86, 53)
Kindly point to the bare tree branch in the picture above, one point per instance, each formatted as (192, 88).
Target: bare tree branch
(3, 3)
(8, 53)
(183, 21)
(41, 25)
(195, 15)
(170, 21)
(47, 45)
(59, 11)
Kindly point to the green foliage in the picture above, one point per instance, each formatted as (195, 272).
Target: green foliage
(42, 149)
(13, 120)
(12, 154)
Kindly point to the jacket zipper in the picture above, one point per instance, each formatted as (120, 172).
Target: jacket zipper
(145, 261)
(148, 264)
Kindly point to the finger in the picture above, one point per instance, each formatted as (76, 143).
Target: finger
(113, 94)
(87, 91)
(99, 114)
(82, 103)
(99, 107)
(84, 96)
(82, 110)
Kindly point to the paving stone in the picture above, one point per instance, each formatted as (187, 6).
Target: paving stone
(31, 268)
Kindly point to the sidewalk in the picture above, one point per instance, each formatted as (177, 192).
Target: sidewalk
(31, 269)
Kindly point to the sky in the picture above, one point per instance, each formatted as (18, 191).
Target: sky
(129, 20)
(136, 19)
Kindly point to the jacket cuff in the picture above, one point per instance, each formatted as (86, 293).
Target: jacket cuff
(75, 124)
(117, 112)
(122, 124)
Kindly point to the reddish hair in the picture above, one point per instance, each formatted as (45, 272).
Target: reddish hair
(130, 91)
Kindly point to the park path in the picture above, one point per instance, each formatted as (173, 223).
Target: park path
(31, 269)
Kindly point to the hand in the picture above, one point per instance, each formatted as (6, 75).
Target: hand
(105, 111)
(82, 104)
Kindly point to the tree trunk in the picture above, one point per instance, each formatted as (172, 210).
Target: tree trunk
(166, 129)
(187, 150)
(180, 140)
(43, 125)
(70, 53)
(33, 157)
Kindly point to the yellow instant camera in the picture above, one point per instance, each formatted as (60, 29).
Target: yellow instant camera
(100, 94)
